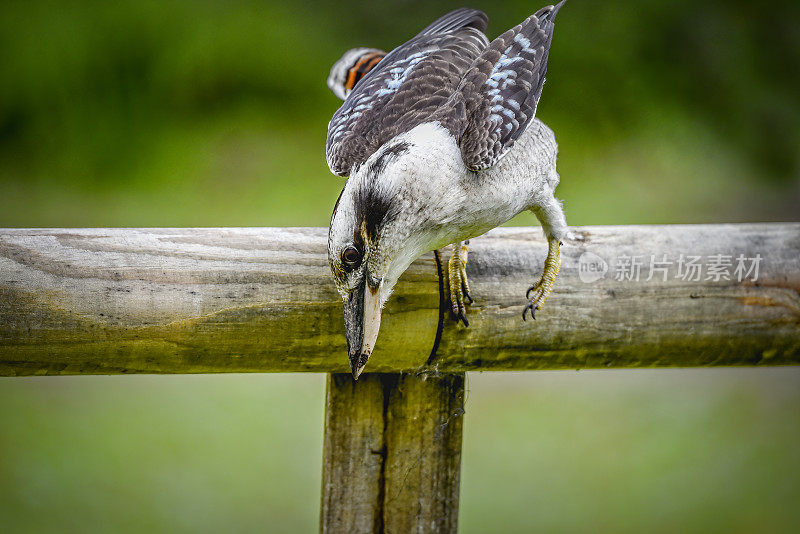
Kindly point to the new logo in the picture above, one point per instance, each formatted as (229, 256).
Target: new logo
(591, 267)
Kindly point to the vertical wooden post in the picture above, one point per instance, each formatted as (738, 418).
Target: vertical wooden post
(353, 454)
(392, 453)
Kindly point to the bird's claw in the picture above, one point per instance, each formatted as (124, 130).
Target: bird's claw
(532, 308)
(533, 287)
(536, 302)
(542, 289)
(458, 285)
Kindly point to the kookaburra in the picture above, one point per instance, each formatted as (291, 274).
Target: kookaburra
(439, 140)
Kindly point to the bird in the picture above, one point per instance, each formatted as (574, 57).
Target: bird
(439, 142)
(351, 67)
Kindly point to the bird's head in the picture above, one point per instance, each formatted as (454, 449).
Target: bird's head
(378, 228)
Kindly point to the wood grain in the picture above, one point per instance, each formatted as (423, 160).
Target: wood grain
(102, 301)
(392, 455)
(354, 451)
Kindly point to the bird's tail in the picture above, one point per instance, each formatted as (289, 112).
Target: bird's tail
(351, 67)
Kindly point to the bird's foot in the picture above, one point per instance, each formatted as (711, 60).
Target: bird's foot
(458, 286)
(542, 289)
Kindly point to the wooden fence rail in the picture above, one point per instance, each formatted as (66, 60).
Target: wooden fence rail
(107, 301)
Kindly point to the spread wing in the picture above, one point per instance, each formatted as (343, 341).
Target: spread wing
(498, 96)
(404, 88)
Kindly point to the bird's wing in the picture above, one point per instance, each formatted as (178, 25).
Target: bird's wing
(497, 98)
(457, 19)
(404, 88)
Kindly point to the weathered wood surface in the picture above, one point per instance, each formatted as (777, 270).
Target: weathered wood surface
(353, 455)
(261, 299)
(392, 453)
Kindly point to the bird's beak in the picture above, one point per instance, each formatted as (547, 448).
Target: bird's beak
(362, 320)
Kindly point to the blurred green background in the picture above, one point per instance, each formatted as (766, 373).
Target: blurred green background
(212, 113)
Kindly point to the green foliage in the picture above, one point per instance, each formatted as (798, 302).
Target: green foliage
(214, 113)
(706, 450)
(701, 450)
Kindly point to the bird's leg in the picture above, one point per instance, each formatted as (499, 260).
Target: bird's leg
(542, 289)
(551, 216)
(457, 285)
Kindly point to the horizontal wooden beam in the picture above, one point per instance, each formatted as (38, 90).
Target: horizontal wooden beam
(101, 301)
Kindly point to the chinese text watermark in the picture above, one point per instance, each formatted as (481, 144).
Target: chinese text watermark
(662, 267)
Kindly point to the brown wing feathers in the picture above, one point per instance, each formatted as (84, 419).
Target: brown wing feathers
(404, 88)
(498, 96)
(485, 94)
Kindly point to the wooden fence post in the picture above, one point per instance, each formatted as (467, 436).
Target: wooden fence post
(392, 454)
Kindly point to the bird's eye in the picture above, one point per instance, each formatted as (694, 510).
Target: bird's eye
(351, 256)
